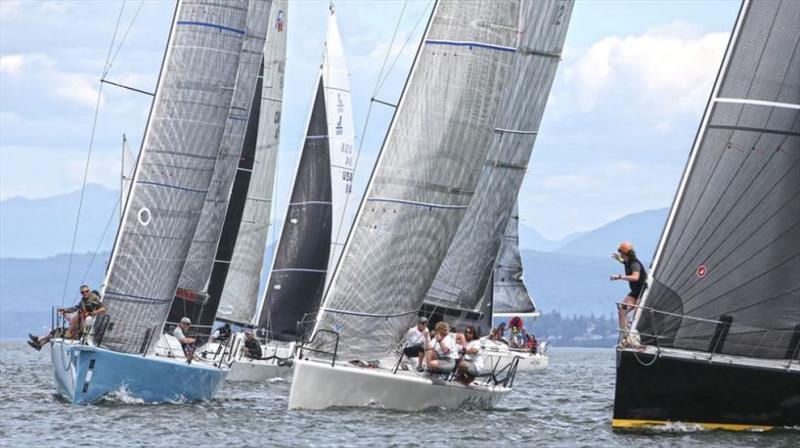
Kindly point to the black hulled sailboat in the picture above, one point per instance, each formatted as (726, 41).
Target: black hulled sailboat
(720, 323)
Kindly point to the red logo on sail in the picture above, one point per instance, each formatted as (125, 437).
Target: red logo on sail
(279, 21)
(701, 271)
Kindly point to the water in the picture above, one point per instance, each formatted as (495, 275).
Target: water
(570, 405)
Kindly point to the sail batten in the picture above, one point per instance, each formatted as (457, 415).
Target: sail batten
(729, 250)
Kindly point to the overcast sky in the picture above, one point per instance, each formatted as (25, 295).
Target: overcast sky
(626, 103)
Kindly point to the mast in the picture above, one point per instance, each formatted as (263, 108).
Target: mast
(424, 178)
(174, 169)
(729, 251)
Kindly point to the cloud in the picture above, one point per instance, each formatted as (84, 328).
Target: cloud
(670, 68)
(79, 88)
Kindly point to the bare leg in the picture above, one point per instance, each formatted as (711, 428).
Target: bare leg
(420, 357)
(623, 312)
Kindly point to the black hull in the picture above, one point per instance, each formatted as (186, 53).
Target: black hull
(715, 396)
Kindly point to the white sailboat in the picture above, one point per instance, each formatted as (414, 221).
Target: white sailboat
(186, 127)
(512, 299)
(482, 272)
(425, 176)
(311, 238)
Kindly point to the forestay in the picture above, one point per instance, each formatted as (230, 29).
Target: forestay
(465, 272)
(240, 293)
(730, 247)
(175, 166)
(510, 293)
(197, 270)
(425, 176)
(307, 249)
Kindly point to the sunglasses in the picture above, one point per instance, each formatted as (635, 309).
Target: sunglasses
(85, 291)
(469, 332)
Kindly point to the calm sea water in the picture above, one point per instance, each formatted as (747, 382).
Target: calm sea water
(570, 405)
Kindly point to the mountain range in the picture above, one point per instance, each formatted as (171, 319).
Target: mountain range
(569, 276)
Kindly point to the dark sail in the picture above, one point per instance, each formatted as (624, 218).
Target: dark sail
(730, 253)
(298, 274)
(233, 216)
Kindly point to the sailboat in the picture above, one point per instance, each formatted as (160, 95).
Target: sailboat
(203, 76)
(472, 279)
(426, 174)
(311, 236)
(236, 274)
(512, 299)
(718, 325)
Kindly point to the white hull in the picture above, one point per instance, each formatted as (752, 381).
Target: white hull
(318, 385)
(244, 368)
(528, 362)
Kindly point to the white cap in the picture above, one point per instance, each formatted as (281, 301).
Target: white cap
(186, 320)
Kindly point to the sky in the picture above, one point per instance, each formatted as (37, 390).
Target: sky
(625, 106)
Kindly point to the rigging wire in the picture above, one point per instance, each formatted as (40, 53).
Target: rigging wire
(89, 155)
(100, 242)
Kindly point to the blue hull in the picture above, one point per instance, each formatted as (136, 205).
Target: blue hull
(85, 374)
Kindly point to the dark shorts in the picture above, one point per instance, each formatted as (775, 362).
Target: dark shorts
(413, 351)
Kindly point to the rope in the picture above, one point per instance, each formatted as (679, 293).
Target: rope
(89, 155)
(100, 242)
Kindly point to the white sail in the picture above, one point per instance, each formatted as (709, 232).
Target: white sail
(424, 179)
(174, 170)
(466, 271)
(200, 261)
(239, 295)
(308, 247)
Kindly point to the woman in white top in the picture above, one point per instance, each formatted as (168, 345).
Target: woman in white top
(441, 348)
(471, 365)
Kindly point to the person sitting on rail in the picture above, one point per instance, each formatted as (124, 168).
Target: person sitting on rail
(252, 348)
(79, 317)
(415, 342)
(440, 353)
(472, 363)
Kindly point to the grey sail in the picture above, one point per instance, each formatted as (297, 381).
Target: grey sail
(174, 169)
(464, 275)
(510, 294)
(239, 295)
(730, 251)
(199, 262)
(424, 179)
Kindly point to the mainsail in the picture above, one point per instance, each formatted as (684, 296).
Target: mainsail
(466, 270)
(426, 174)
(729, 252)
(308, 247)
(200, 261)
(510, 294)
(173, 174)
(241, 248)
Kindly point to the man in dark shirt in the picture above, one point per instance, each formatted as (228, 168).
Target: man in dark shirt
(635, 275)
(252, 347)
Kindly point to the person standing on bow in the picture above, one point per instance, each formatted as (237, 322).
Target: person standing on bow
(635, 275)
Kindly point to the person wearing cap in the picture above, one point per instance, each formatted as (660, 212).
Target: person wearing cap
(252, 348)
(415, 341)
(187, 343)
(79, 317)
(635, 275)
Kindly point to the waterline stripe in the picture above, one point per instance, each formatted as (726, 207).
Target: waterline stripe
(632, 423)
